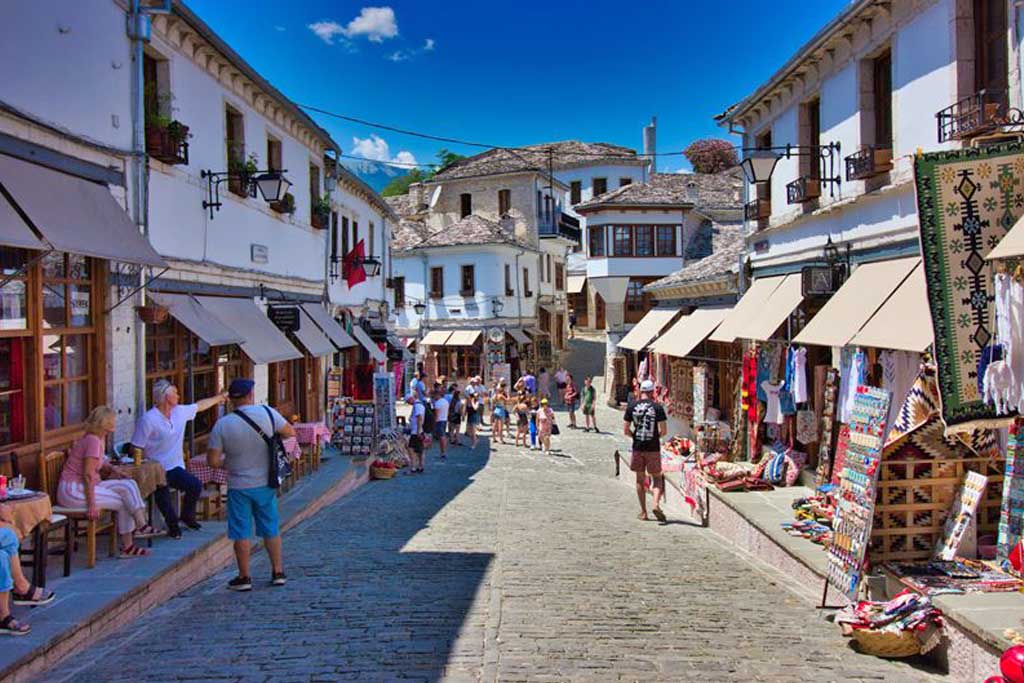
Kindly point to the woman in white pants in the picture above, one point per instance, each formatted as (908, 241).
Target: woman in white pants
(81, 484)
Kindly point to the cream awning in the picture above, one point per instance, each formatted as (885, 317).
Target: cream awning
(1012, 243)
(310, 336)
(856, 301)
(360, 335)
(779, 306)
(746, 308)
(519, 336)
(264, 343)
(575, 284)
(648, 328)
(463, 338)
(198, 319)
(689, 331)
(14, 232)
(904, 322)
(331, 327)
(436, 338)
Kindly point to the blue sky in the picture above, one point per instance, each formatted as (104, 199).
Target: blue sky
(517, 73)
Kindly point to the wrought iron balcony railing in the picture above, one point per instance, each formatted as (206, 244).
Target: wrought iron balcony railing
(757, 210)
(980, 113)
(803, 189)
(868, 162)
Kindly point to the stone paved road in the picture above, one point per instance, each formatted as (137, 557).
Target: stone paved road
(500, 565)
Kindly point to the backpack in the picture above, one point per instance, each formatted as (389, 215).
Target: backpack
(429, 418)
(280, 469)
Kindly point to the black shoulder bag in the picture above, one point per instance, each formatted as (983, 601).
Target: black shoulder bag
(280, 468)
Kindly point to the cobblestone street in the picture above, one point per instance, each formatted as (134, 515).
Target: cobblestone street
(502, 565)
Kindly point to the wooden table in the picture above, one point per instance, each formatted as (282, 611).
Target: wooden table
(32, 516)
(150, 476)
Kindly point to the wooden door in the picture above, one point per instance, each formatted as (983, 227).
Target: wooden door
(599, 322)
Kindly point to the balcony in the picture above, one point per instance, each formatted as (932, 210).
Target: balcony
(981, 113)
(169, 143)
(803, 189)
(757, 210)
(868, 162)
(566, 227)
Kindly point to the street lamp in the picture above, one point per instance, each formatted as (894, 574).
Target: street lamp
(272, 185)
(372, 266)
(758, 165)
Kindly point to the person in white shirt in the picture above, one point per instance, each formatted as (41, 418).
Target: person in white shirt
(561, 377)
(160, 433)
(441, 405)
(416, 433)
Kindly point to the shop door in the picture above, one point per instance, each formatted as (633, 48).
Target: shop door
(313, 390)
(283, 385)
(598, 312)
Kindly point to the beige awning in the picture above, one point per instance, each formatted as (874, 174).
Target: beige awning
(648, 328)
(856, 301)
(197, 318)
(435, 338)
(311, 337)
(1012, 243)
(575, 284)
(14, 232)
(904, 322)
(689, 331)
(371, 346)
(519, 336)
(463, 338)
(331, 327)
(779, 306)
(746, 308)
(264, 343)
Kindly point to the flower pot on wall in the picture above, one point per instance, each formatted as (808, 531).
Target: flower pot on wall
(152, 314)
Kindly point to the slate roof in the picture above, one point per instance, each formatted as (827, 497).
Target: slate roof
(717, 250)
(471, 230)
(567, 154)
(707, 192)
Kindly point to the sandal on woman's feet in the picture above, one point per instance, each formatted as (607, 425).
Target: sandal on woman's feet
(642, 517)
(659, 514)
(34, 596)
(9, 626)
(147, 531)
(131, 551)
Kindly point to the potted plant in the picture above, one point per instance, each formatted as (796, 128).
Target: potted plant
(285, 205)
(153, 314)
(241, 175)
(166, 138)
(321, 212)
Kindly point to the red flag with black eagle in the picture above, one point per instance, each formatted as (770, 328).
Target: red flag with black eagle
(354, 271)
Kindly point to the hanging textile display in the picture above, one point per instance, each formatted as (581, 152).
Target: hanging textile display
(828, 420)
(964, 508)
(851, 536)
(806, 426)
(1012, 511)
(967, 200)
(700, 392)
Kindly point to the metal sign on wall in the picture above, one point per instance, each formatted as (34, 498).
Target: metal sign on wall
(286, 318)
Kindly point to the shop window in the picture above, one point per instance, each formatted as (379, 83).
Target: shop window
(596, 240)
(437, 282)
(575, 192)
(504, 202)
(468, 281)
(665, 236)
(643, 236)
(622, 240)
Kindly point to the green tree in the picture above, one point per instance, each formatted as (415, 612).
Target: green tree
(400, 185)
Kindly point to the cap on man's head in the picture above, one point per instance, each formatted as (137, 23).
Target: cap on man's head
(647, 385)
(240, 387)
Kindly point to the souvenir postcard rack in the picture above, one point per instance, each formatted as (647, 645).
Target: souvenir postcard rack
(358, 428)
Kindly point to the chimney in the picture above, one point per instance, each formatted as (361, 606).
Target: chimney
(650, 143)
(416, 190)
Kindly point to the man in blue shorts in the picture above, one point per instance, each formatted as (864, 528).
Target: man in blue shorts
(237, 443)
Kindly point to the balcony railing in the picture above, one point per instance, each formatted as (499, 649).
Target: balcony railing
(803, 189)
(980, 113)
(168, 144)
(757, 210)
(868, 162)
(564, 226)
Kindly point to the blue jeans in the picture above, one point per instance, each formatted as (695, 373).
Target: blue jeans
(533, 433)
(179, 479)
(8, 550)
(245, 505)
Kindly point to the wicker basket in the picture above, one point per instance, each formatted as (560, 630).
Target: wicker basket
(889, 644)
(382, 472)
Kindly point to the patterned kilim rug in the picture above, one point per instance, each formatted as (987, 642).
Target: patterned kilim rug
(967, 200)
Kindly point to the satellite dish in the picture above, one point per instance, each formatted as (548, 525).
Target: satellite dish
(496, 335)
(435, 196)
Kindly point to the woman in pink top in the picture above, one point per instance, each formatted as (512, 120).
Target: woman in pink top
(81, 484)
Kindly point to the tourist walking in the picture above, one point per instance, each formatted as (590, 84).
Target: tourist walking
(416, 386)
(560, 378)
(441, 412)
(456, 409)
(472, 416)
(534, 407)
(160, 433)
(645, 422)
(522, 410)
(572, 324)
(527, 383)
(572, 399)
(416, 418)
(242, 443)
(88, 480)
(544, 384)
(545, 425)
(499, 416)
(589, 397)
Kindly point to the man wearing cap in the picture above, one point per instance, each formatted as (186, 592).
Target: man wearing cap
(237, 443)
(645, 422)
(416, 417)
(160, 433)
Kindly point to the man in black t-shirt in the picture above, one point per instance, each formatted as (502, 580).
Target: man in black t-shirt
(646, 422)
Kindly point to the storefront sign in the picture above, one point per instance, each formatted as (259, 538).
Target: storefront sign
(286, 318)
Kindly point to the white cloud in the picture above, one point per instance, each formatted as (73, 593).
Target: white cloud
(376, 23)
(428, 44)
(327, 31)
(376, 148)
(398, 56)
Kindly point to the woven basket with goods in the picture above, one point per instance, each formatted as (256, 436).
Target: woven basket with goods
(905, 626)
(381, 469)
(889, 644)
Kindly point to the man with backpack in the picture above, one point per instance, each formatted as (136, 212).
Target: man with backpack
(645, 422)
(240, 442)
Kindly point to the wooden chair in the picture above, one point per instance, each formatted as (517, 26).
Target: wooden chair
(212, 502)
(50, 466)
(44, 546)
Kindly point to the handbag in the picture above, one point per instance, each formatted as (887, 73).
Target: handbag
(280, 469)
(554, 429)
